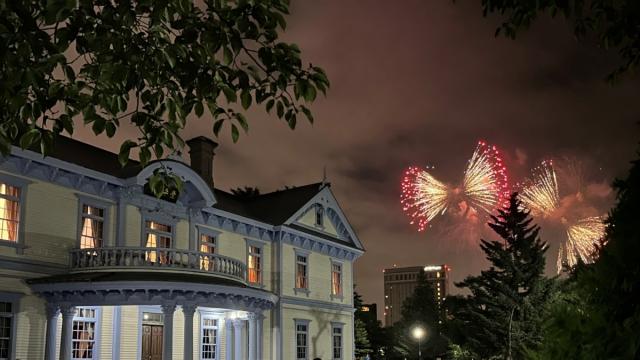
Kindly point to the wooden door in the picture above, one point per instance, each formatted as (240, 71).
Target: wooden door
(151, 342)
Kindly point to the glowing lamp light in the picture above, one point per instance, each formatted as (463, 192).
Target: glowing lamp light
(418, 332)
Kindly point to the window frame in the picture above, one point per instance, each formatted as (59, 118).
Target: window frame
(22, 185)
(106, 221)
(203, 231)
(304, 322)
(337, 325)
(14, 300)
(209, 316)
(340, 295)
(319, 215)
(296, 289)
(161, 220)
(97, 320)
(259, 245)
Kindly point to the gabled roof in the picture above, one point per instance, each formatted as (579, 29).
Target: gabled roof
(274, 208)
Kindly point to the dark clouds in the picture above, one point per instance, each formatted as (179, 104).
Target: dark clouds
(418, 82)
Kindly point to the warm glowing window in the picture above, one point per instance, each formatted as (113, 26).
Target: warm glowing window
(9, 212)
(92, 227)
(207, 246)
(6, 321)
(84, 334)
(336, 279)
(209, 338)
(255, 264)
(301, 272)
(159, 237)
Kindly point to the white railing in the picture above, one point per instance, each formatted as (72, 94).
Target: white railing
(156, 258)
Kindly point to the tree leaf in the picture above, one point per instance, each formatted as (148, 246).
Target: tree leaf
(235, 134)
(245, 98)
(125, 151)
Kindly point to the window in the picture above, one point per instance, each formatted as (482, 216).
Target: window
(158, 236)
(9, 212)
(6, 326)
(209, 338)
(301, 272)
(336, 279)
(92, 227)
(254, 260)
(319, 216)
(302, 339)
(336, 341)
(84, 334)
(207, 246)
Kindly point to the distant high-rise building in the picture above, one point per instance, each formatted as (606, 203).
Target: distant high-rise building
(399, 283)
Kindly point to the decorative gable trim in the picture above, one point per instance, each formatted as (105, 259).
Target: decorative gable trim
(333, 211)
(310, 242)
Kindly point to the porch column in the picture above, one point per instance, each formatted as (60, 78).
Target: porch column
(167, 336)
(252, 335)
(228, 330)
(259, 336)
(238, 326)
(188, 311)
(68, 312)
(52, 328)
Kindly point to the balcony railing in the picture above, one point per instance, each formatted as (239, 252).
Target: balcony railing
(144, 258)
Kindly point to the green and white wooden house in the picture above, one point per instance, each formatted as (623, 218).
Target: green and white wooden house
(94, 268)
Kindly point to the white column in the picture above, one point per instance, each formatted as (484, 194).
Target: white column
(52, 327)
(228, 330)
(238, 326)
(68, 312)
(252, 336)
(167, 336)
(188, 311)
(259, 336)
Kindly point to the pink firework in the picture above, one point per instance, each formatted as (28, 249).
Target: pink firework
(484, 188)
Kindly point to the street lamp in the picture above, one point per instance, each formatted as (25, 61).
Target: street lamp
(418, 333)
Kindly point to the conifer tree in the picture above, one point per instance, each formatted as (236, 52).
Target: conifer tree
(502, 317)
(362, 343)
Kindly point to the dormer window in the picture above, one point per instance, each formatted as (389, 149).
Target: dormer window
(319, 216)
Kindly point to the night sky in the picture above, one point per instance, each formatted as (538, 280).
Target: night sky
(419, 82)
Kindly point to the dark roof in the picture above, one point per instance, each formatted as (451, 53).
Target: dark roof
(272, 208)
(90, 157)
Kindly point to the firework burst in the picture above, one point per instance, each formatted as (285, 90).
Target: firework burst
(540, 194)
(484, 188)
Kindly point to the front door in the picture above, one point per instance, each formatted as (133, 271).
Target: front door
(151, 342)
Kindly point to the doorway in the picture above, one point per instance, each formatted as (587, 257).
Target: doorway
(152, 342)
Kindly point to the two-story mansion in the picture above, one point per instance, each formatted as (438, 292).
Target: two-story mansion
(94, 268)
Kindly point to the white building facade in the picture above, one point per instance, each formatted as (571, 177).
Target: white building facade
(93, 267)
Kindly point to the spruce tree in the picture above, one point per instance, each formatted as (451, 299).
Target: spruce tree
(362, 343)
(502, 317)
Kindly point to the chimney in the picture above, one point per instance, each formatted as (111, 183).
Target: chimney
(201, 151)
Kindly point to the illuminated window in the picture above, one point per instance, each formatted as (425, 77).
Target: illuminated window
(336, 335)
(92, 222)
(209, 338)
(336, 279)
(207, 246)
(301, 272)
(254, 261)
(9, 212)
(84, 334)
(302, 339)
(159, 237)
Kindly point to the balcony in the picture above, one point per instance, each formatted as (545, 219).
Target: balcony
(150, 259)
